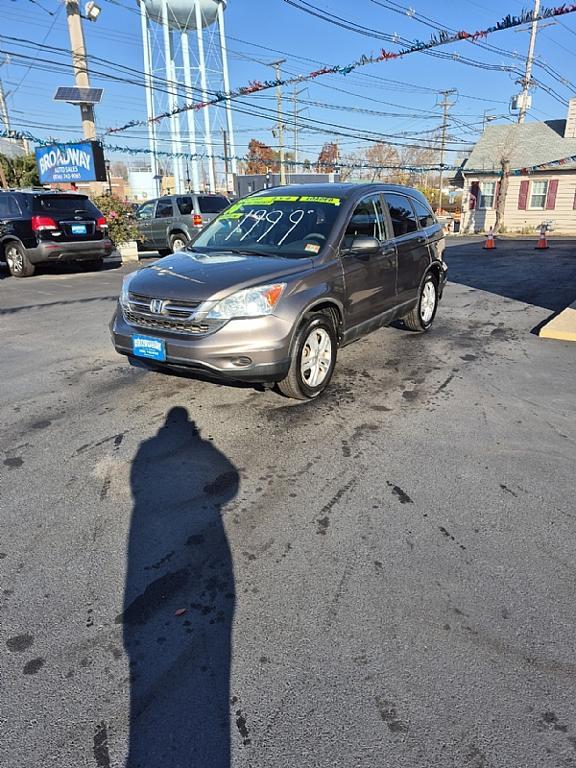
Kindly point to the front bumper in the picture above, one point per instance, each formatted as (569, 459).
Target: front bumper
(50, 250)
(252, 350)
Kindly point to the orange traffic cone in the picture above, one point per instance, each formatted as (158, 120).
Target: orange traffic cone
(490, 243)
(542, 243)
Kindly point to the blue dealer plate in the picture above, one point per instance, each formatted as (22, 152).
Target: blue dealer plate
(149, 347)
(79, 229)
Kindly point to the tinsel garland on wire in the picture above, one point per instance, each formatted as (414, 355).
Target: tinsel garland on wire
(20, 135)
(441, 38)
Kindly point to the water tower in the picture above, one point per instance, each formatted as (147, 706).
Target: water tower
(185, 60)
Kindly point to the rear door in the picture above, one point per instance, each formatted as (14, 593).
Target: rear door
(370, 278)
(161, 223)
(411, 246)
(12, 221)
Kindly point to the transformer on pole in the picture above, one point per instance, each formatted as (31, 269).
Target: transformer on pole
(184, 69)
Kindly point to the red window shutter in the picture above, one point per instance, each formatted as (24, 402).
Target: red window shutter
(496, 193)
(475, 193)
(523, 195)
(551, 196)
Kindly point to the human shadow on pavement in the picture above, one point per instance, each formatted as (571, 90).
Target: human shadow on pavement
(179, 600)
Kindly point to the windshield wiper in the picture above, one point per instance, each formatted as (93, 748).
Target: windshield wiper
(244, 251)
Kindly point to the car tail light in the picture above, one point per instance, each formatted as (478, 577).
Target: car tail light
(197, 220)
(43, 222)
(101, 222)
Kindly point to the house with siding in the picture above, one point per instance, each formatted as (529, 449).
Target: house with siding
(541, 157)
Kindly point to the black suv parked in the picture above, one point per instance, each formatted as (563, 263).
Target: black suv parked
(38, 226)
(168, 224)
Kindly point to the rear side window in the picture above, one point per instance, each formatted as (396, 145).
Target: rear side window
(401, 213)
(367, 220)
(9, 207)
(185, 205)
(65, 204)
(423, 214)
(212, 204)
(164, 209)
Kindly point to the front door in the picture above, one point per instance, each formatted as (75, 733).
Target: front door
(370, 278)
(144, 216)
(161, 223)
(411, 245)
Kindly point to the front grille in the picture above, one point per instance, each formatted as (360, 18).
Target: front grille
(159, 323)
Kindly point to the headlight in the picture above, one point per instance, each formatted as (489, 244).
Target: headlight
(124, 295)
(251, 302)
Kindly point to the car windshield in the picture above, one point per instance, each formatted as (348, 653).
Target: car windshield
(287, 225)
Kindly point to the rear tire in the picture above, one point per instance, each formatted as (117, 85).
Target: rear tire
(420, 319)
(164, 252)
(18, 262)
(313, 359)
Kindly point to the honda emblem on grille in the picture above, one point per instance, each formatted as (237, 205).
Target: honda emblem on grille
(156, 306)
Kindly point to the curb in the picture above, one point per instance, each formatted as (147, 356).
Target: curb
(561, 327)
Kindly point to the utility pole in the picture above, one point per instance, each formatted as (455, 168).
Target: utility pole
(445, 104)
(226, 158)
(4, 117)
(80, 64)
(276, 65)
(527, 81)
(296, 113)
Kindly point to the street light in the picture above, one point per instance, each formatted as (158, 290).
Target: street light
(92, 11)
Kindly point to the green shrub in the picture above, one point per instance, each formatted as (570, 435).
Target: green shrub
(120, 217)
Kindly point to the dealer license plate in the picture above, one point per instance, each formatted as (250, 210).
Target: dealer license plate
(79, 229)
(149, 347)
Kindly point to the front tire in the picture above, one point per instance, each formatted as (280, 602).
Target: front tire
(313, 359)
(18, 262)
(420, 319)
(178, 242)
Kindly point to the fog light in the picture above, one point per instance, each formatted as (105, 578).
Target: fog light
(241, 362)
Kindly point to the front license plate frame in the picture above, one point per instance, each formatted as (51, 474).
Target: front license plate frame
(149, 347)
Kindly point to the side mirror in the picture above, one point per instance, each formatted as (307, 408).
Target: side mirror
(364, 245)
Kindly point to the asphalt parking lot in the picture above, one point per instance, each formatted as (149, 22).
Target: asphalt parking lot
(204, 575)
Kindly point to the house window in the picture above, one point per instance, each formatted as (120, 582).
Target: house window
(487, 194)
(538, 194)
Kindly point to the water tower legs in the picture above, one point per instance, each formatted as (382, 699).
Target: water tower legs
(152, 141)
(172, 100)
(190, 114)
(226, 79)
(206, 110)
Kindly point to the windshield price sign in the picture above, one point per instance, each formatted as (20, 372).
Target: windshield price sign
(66, 163)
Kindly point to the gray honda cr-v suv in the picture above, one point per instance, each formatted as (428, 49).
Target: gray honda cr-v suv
(280, 280)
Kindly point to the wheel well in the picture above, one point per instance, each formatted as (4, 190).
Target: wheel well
(330, 309)
(435, 269)
(178, 232)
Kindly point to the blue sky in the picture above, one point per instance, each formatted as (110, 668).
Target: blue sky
(403, 90)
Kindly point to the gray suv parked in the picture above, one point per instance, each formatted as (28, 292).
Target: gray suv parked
(169, 223)
(272, 288)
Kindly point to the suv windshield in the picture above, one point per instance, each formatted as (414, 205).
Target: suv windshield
(65, 204)
(287, 225)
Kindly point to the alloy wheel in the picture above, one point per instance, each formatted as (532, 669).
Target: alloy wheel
(316, 357)
(428, 302)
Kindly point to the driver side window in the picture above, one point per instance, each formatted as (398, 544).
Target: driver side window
(146, 210)
(367, 221)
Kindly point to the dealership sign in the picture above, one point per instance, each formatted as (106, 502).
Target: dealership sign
(68, 163)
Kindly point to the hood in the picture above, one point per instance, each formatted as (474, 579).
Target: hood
(195, 276)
